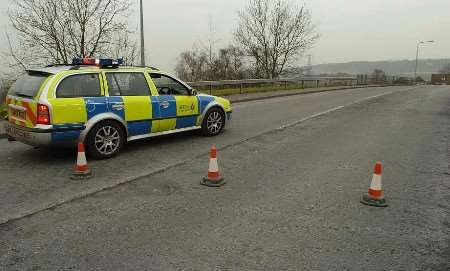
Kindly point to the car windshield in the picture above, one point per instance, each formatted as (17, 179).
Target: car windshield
(28, 85)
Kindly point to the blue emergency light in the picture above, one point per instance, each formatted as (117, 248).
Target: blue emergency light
(111, 62)
(102, 62)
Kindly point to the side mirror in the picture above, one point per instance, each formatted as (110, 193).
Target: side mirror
(194, 92)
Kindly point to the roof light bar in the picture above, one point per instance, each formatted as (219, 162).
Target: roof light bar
(111, 62)
(103, 62)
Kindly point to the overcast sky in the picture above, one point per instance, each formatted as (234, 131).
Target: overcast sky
(350, 30)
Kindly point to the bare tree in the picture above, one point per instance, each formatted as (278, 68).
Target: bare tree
(274, 33)
(193, 65)
(55, 31)
(125, 47)
(227, 63)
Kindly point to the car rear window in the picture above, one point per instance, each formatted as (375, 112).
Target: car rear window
(28, 85)
(80, 85)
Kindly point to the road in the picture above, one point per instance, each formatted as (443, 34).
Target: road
(296, 168)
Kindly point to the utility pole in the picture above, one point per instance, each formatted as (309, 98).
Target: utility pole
(211, 43)
(142, 37)
(417, 57)
(309, 66)
(211, 33)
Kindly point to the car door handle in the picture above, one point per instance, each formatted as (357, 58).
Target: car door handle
(165, 104)
(117, 106)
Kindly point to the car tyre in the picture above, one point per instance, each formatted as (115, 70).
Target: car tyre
(105, 140)
(213, 122)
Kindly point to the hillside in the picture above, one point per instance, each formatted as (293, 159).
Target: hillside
(399, 68)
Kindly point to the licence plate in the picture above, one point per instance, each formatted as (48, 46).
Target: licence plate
(18, 114)
(16, 133)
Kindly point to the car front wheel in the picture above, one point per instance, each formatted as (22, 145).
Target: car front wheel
(214, 122)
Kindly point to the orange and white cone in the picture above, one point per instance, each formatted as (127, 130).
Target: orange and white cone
(213, 179)
(81, 171)
(375, 195)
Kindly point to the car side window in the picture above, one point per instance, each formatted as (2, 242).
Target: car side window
(169, 86)
(127, 84)
(80, 85)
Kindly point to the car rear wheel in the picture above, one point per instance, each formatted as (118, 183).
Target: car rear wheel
(105, 140)
(214, 122)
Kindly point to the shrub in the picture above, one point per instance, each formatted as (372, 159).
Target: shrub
(3, 112)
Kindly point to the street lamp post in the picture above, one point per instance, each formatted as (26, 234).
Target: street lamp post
(417, 57)
(142, 37)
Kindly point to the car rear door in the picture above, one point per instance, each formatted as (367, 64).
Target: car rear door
(130, 98)
(78, 97)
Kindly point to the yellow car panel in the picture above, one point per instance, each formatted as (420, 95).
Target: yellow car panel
(187, 106)
(137, 108)
(68, 110)
(164, 125)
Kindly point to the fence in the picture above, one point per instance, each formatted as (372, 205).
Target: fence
(227, 87)
(364, 79)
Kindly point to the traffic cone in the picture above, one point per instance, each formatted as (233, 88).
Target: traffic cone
(81, 170)
(213, 179)
(375, 195)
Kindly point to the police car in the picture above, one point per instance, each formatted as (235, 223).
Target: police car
(103, 104)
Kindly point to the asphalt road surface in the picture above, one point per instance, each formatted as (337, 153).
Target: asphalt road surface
(296, 168)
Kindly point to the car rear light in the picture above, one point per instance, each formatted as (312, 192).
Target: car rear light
(43, 114)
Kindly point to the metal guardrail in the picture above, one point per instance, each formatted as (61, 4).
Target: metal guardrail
(301, 80)
(262, 81)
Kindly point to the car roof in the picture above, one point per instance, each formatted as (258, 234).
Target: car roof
(54, 69)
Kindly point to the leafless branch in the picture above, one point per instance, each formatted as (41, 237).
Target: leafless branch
(274, 33)
(55, 31)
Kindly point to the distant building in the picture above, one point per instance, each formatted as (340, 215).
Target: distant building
(440, 79)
